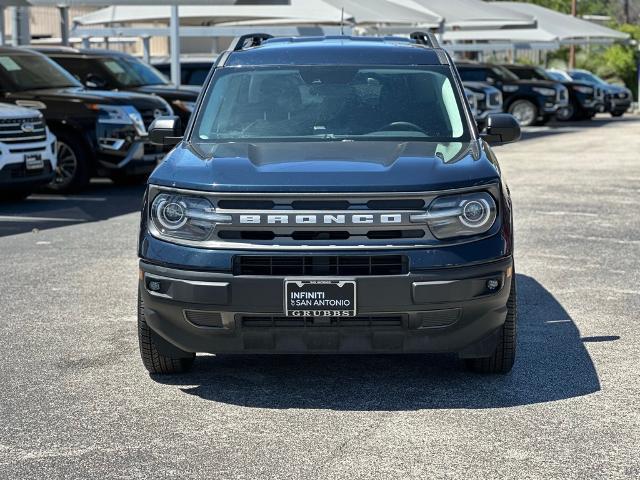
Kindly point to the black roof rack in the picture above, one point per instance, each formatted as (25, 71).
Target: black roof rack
(249, 40)
(425, 38)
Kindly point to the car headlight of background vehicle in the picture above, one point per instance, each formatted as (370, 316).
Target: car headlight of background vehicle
(184, 105)
(547, 92)
(583, 89)
(461, 215)
(184, 216)
(120, 115)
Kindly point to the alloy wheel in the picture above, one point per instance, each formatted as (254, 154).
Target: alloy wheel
(524, 112)
(67, 166)
(565, 113)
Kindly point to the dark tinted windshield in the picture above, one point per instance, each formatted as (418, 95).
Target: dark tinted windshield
(559, 76)
(331, 102)
(130, 72)
(20, 72)
(504, 74)
(530, 73)
(587, 77)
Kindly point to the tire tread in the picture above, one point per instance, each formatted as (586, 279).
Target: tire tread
(152, 359)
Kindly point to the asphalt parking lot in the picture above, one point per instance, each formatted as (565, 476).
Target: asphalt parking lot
(77, 403)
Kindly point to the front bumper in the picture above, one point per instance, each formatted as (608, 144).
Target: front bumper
(140, 157)
(14, 174)
(439, 310)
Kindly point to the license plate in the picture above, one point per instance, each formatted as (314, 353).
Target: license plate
(319, 298)
(33, 162)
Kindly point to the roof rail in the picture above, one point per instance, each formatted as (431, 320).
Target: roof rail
(242, 41)
(425, 38)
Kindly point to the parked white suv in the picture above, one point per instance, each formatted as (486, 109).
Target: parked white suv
(27, 152)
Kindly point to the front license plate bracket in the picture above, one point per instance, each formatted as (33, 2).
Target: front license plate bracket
(319, 297)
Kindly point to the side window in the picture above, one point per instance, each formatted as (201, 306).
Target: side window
(79, 68)
(474, 74)
(197, 76)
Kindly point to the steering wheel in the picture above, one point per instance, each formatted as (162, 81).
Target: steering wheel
(398, 126)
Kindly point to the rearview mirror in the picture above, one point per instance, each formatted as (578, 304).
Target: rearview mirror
(165, 131)
(501, 128)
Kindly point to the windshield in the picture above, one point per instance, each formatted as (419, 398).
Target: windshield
(130, 72)
(587, 77)
(559, 76)
(530, 73)
(504, 74)
(19, 72)
(331, 102)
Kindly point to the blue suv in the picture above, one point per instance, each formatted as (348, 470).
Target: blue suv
(329, 195)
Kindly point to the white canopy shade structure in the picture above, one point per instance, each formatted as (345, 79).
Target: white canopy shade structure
(475, 14)
(298, 12)
(566, 29)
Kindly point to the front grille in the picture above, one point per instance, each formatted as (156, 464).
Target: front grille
(326, 221)
(22, 130)
(266, 321)
(494, 100)
(563, 95)
(149, 115)
(321, 265)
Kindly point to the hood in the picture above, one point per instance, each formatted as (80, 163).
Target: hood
(610, 88)
(9, 111)
(79, 94)
(480, 87)
(171, 92)
(360, 166)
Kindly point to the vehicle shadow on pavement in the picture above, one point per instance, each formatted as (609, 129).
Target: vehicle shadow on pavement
(43, 211)
(552, 364)
(560, 128)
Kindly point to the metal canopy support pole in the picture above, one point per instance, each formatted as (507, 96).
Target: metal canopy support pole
(20, 27)
(64, 25)
(146, 48)
(174, 28)
(86, 42)
(3, 34)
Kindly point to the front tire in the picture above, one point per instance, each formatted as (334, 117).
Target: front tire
(565, 114)
(72, 171)
(617, 114)
(524, 111)
(504, 355)
(154, 361)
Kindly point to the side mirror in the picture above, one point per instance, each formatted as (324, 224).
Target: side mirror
(165, 131)
(94, 81)
(501, 128)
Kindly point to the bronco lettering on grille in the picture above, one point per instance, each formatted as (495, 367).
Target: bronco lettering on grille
(321, 219)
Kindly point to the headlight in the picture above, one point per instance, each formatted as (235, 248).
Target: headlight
(547, 92)
(185, 217)
(120, 115)
(510, 88)
(183, 105)
(582, 89)
(461, 215)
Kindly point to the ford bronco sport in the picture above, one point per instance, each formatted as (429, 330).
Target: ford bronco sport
(329, 195)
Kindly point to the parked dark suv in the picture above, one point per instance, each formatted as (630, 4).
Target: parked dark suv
(583, 97)
(617, 99)
(109, 70)
(532, 102)
(330, 195)
(98, 132)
